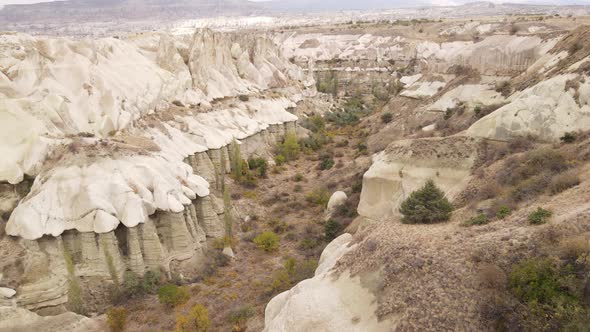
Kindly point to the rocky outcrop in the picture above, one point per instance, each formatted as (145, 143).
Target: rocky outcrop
(405, 165)
(22, 320)
(127, 143)
(327, 302)
(546, 110)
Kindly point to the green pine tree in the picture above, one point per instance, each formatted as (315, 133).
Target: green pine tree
(426, 205)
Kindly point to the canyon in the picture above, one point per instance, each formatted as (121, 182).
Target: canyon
(125, 155)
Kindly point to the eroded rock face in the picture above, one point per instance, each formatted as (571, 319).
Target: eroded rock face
(326, 302)
(547, 110)
(126, 141)
(406, 165)
(18, 319)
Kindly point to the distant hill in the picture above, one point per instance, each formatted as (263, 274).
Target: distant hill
(108, 10)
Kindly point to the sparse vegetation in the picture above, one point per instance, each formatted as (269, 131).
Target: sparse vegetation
(502, 212)
(426, 205)
(289, 148)
(117, 319)
(539, 216)
(480, 219)
(267, 241)
(172, 295)
(331, 229)
(562, 182)
(504, 88)
(386, 117)
(568, 138)
(318, 196)
(197, 320)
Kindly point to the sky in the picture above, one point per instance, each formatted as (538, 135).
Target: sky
(434, 2)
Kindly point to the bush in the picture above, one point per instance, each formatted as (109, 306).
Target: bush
(117, 319)
(197, 320)
(132, 286)
(539, 216)
(279, 159)
(568, 138)
(537, 280)
(331, 229)
(530, 188)
(243, 97)
(480, 219)
(314, 124)
(239, 316)
(289, 148)
(298, 177)
(503, 212)
(172, 295)
(563, 182)
(259, 165)
(504, 88)
(318, 196)
(326, 163)
(386, 117)
(279, 282)
(150, 281)
(267, 241)
(426, 205)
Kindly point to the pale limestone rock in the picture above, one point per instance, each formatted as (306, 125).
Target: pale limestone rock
(337, 199)
(406, 165)
(326, 302)
(7, 292)
(545, 110)
(208, 218)
(22, 320)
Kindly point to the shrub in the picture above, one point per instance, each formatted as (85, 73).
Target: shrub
(568, 138)
(331, 229)
(289, 148)
(480, 219)
(298, 177)
(259, 165)
(239, 316)
(132, 286)
(308, 243)
(362, 148)
(530, 188)
(150, 281)
(539, 216)
(502, 212)
(244, 97)
(386, 117)
(172, 295)
(279, 159)
(117, 319)
(426, 205)
(535, 279)
(298, 188)
(267, 241)
(562, 182)
(314, 123)
(279, 282)
(326, 163)
(318, 196)
(504, 88)
(197, 320)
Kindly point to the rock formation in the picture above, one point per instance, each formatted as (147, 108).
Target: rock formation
(120, 143)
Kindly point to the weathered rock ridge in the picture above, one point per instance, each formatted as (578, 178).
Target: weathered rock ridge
(116, 148)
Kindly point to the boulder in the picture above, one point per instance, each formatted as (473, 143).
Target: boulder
(337, 199)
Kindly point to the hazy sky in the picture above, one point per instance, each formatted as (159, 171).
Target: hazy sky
(434, 2)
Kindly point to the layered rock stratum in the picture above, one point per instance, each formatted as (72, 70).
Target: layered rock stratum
(114, 150)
